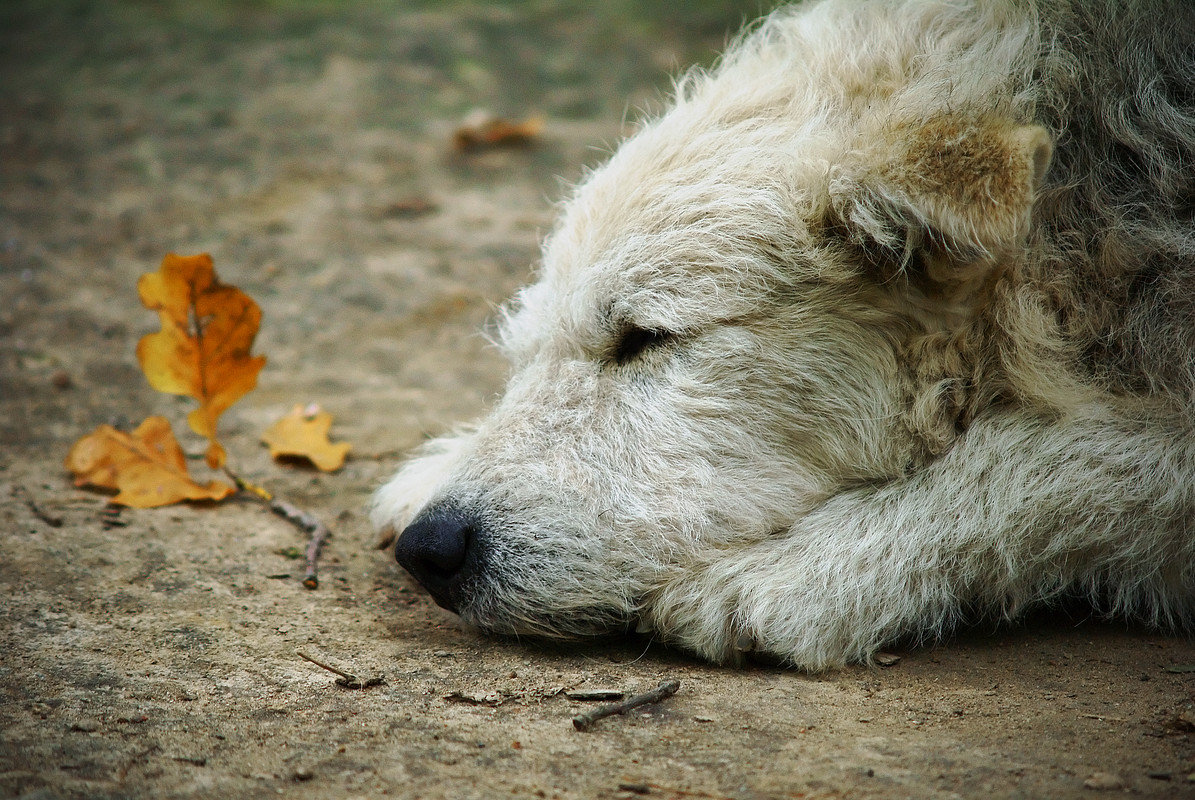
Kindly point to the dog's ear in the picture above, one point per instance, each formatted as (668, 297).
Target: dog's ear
(940, 201)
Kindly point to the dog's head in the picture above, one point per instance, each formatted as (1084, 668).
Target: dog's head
(759, 301)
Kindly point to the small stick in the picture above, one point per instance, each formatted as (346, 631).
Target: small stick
(584, 722)
(110, 517)
(346, 680)
(311, 524)
(347, 676)
(684, 792)
(35, 509)
(304, 520)
(124, 771)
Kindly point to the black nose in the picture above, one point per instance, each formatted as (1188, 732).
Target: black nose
(436, 548)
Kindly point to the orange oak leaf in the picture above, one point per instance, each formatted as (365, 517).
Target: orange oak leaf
(481, 131)
(146, 467)
(303, 433)
(203, 348)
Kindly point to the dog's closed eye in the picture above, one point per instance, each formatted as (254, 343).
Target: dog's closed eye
(635, 341)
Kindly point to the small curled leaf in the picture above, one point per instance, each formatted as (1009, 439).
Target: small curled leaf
(303, 433)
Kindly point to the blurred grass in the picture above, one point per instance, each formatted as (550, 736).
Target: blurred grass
(568, 58)
(700, 17)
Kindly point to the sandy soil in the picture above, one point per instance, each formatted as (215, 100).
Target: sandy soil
(155, 655)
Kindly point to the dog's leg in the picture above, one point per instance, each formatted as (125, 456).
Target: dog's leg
(1020, 510)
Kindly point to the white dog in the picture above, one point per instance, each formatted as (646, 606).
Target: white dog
(887, 324)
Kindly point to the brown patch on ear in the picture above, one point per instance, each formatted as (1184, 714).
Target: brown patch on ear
(965, 164)
(940, 204)
(972, 181)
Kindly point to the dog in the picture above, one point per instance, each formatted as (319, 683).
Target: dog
(886, 325)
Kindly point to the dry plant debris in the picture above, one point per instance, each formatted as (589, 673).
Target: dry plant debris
(146, 467)
(203, 348)
(202, 351)
(586, 721)
(480, 130)
(347, 680)
(303, 433)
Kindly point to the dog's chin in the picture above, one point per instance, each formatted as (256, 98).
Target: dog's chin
(573, 625)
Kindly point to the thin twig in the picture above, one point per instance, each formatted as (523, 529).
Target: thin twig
(35, 509)
(686, 792)
(310, 523)
(304, 520)
(110, 516)
(645, 788)
(348, 676)
(346, 680)
(124, 771)
(584, 722)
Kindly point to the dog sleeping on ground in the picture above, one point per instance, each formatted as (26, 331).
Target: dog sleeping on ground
(886, 325)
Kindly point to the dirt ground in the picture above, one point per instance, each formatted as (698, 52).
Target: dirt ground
(306, 146)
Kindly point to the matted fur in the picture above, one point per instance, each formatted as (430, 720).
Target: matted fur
(887, 323)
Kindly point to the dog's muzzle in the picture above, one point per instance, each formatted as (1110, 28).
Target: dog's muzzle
(441, 549)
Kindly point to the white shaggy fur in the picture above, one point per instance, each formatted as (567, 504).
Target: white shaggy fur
(887, 324)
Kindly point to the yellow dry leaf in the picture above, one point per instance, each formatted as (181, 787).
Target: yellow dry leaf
(303, 433)
(203, 348)
(146, 467)
(481, 131)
